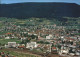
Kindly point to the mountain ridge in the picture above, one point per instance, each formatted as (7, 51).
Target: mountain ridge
(39, 10)
(41, 2)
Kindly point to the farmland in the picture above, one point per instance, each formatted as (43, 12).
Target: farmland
(5, 41)
(17, 54)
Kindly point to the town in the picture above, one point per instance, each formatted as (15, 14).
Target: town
(42, 38)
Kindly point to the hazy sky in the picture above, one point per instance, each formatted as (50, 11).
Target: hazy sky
(17, 1)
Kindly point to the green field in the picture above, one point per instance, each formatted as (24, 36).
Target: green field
(18, 54)
(5, 41)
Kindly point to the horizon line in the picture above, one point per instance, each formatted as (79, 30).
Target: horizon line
(38, 2)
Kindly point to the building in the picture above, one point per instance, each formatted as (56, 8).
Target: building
(11, 44)
(31, 45)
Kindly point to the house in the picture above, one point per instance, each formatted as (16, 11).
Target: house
(64, 50)
(8, 33)
(12, 44)
(78, 53)
(20, 46)
(72, 50)
(6, 46)
(31, 45)
(23, 38)
(45, 47)
(48, 37)
(7, 37)
(40, 38)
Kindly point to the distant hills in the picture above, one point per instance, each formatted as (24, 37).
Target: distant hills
(39, 10)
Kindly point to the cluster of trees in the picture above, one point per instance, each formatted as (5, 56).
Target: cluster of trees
(29, 38)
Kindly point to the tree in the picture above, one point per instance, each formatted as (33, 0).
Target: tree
(33, 36)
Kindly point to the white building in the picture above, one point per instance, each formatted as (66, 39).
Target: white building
(6, 46)
(7, 37)
(48, 37)
(31, 45)
(64, 50)
(11, 44)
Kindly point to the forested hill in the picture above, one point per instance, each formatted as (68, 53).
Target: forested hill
(40, 10)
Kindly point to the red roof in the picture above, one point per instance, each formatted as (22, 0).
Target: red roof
(8, 33)
(21, 46)
(68, 38)
(53, 47)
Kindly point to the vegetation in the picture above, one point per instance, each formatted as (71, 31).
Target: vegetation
(12, 53)
(40, 10)
(59, 21)
(5, 41)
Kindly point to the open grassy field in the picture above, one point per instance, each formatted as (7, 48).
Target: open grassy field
(5, 41)
(17, 54)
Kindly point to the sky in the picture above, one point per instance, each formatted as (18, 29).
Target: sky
(19, 1)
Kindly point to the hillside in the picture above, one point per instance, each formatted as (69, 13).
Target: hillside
(39, 10)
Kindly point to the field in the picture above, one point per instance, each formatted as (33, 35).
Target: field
(5, 41)
(19, 52)
(67, 21)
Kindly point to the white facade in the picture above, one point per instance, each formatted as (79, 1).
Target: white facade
(64, 50)
(11, 44)
(48, 37)
(7, 37)
(31, 45)
(6, 46)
